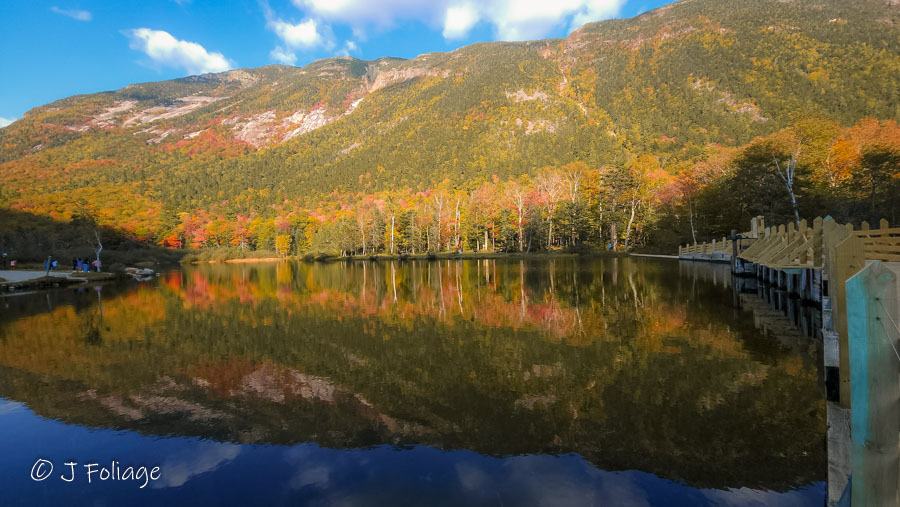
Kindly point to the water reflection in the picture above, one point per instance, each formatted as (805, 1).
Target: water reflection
(607, 364)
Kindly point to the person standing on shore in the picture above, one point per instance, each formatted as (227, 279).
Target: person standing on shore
(4, 260)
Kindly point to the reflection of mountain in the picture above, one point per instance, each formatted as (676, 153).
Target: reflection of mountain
(604, 359)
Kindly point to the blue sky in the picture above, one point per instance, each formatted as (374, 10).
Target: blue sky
(51, 50)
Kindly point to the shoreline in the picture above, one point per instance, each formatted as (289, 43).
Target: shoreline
(249, 259)
(426, 257)
(55, 281)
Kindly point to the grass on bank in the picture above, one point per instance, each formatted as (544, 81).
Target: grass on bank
(227, 253)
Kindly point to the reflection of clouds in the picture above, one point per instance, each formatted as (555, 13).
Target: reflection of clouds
(315, 476)
(546, 482)
(8, 407)
(312, 469)
(751, 497)
(426, 476)
(471, 477)
(623, 488)
(180, 467)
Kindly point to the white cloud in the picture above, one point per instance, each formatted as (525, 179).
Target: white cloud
(165, 49)
(5, 121)
(80, 15)
(459, 20)
(511, 19)
(304, 35)
(348, 47)
(283, 55)
(594, 10)
(383, 13)
(533, 19)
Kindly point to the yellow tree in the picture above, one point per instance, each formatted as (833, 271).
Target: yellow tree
(551, 185)
(646, 177)
(283, 244)
(573, 177)
(839, 161)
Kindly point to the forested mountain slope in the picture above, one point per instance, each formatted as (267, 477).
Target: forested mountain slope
(673, 83)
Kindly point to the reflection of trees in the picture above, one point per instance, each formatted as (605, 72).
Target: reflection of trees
(93, 323)
(456, 354)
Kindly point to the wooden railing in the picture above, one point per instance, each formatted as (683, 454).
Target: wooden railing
(723, 245)
(719, 250)
(789, 247)
(855, 275)
(881, 244)
(800, 246)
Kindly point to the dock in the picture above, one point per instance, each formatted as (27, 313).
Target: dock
(853, 276)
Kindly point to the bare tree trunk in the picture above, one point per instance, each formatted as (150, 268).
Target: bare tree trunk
(521, 233)
(613, 237)
(456, 226)
(630, 221)
(550, 232)
(787, 176)
(691, 214)
(440, 214)
(600, 221)
(99, 247)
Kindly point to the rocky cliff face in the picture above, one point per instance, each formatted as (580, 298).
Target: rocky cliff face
(669, 82)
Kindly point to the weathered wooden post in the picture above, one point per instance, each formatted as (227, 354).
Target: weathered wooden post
(756, 225)
(844, 256)
(735, 250)
(872, 312)
(818, 260)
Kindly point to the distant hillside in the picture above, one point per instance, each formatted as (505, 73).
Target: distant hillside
(670, 82)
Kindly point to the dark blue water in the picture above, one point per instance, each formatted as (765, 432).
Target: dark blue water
(631, 383)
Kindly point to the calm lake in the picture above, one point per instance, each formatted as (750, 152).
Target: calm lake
(475, 382)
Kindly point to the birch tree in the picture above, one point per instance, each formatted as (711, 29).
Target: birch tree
(517, 193)
(550, 185)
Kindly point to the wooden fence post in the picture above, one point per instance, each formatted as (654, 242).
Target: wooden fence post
(849, 258)
(735, 250)
(818, 258)
(875, 380)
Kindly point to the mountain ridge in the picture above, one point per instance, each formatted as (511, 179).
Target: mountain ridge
(674, 82)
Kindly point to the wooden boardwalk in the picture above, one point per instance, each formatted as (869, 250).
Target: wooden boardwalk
(854, 275)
